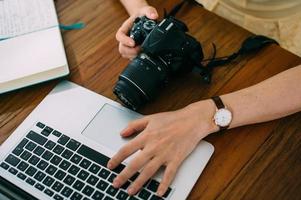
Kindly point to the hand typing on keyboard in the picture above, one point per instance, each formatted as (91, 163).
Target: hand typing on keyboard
(166, 139)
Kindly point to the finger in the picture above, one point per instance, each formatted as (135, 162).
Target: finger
(135, 126)
(148, 171)
(125, 151)
(135, 165)
(122, 33)
(151, 13)
(168, 176)
(128, 52)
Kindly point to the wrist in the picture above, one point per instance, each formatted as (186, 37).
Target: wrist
(203, 112)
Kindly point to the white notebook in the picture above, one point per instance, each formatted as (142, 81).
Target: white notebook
(31, 46)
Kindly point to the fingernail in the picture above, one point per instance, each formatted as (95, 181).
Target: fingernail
(109, 165)
(116, 183)
(153, 15)
(131, 191)
(160, 193)
(131, 43)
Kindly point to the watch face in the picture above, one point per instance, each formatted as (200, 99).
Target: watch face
(223, 117)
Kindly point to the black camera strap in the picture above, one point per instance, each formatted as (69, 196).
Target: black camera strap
(250, 45)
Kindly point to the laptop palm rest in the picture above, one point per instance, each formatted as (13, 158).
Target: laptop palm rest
(107, 124)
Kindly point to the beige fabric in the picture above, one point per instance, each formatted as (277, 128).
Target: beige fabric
(279, 19)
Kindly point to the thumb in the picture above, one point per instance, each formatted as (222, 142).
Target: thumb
(151, 13)
(134, 127)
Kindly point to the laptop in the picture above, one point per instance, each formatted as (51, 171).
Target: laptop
(61, 149)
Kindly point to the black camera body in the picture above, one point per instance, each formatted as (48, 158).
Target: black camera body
(166, 50)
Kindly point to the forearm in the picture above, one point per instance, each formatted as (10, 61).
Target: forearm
(273, 98)
(132, 6)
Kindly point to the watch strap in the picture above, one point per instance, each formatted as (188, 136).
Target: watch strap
(218, 102)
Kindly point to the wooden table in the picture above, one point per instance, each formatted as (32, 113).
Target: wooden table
(253, 162)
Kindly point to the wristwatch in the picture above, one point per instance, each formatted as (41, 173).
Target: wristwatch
(223, 116)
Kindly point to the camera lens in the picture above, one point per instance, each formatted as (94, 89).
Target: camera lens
(141, 80)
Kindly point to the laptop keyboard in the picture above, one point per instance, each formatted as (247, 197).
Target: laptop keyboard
(63, 168)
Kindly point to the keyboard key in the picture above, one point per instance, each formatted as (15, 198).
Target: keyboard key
(51, 169)
(58, 149)
(153, 186)
(155, 197)
(109, 198)
(97, 195)
(31, 171)
(76, 158)
(63, 139)
(73, 170)
(85, 163)
(122, 195)
(64, 165)
(66, 191)
(112, 177)
(73, 145)
(57, 186)
(4, 165)
(48, 181)
(19, 148)
(34, 160)
(40, 125)
(102, 185)
(22, 166)
(48, 129)
(56, 160)
(94, 168)
(60, 175)
(47, 155)
(21, 176)
(39, 176)
(112, 191)
(39, 150)
(49, 192)
(92, 180)
(126, 185)
(83, 175)
(30, 146)
(25, 155)
(45, 133)
(49, 145)
(119, 168)
(58, 197)
(104, 173)
(76, 196)
(42, 165)
(167, 192)
(41, 140)
(93, 155)
(69, 180)
(144, 194)
(56, 133)
(30, 181)
(13, 160)
(13, 171)
(67, 154)
(39, 187)
(78, 185)
(133, 178)
(88, 190)
(133, 198)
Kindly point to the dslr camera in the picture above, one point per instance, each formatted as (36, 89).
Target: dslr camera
(166, 50)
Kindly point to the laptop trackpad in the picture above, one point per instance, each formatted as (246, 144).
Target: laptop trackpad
(106, 126)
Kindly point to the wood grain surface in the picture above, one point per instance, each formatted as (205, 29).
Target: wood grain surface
(253, 162)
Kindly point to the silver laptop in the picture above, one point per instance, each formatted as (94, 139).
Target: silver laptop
(61, 149)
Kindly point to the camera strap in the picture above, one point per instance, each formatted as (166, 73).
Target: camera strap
(250, 45)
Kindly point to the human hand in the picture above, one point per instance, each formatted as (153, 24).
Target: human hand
(127, 46)
(166, 139)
